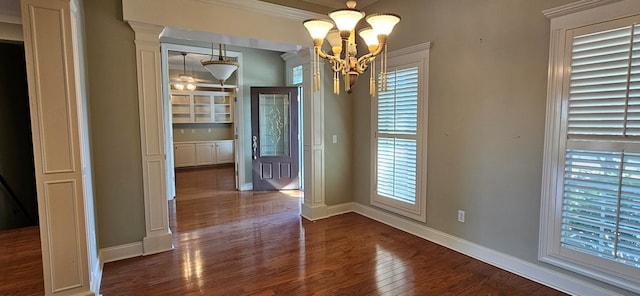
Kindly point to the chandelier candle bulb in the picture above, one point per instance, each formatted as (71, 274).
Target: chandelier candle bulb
(344, 58)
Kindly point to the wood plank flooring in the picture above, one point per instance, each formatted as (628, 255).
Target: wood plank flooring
(255, 243)
(21, 262)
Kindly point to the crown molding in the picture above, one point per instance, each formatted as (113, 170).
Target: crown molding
(574, 7)
(340, 3)
(267, 8)
(11, 19)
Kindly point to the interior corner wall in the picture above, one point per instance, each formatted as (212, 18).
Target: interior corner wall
(114, 123)
(338, 114)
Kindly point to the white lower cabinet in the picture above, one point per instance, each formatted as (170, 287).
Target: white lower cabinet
(187, 154)
(224, 152)
(184, 155)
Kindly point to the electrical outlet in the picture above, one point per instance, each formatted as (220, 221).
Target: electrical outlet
(461, 216)
(335, 139)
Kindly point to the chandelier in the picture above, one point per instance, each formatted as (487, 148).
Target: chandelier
(343, 56)
(221, 69)
(186, 80)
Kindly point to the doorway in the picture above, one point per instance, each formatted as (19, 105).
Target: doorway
(203, 124)
(20, 251)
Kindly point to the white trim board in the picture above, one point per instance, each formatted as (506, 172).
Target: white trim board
(120, 252)
(545, 276)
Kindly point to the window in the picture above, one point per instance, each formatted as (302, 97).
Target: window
(399, 137)
(296, 75)
(591, 184)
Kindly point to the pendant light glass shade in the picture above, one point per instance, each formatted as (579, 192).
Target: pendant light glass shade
(318, 28)
(221, 69)
(383, 23)
(369, 37)
(346, 19)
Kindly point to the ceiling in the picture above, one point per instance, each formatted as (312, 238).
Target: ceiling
(192, 66)
(10, 11)
(340, 3)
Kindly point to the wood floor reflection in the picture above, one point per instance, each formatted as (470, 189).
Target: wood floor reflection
(255, 243)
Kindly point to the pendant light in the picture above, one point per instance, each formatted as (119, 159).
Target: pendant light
(186, 80)
(221, 69)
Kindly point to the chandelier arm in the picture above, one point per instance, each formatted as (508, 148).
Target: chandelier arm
(337, 62)
(363, 63)
(321, 53)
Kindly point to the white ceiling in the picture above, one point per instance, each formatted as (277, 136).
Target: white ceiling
(10, 11)
(340, 3)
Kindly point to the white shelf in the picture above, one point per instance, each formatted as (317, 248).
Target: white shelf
(202, 106)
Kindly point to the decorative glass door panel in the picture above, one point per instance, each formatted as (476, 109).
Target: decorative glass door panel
(274, 125)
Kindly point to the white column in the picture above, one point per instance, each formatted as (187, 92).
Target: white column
(314, 206)
(56, 104)
(158, 235)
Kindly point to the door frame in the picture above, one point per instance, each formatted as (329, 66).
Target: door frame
(238, 120)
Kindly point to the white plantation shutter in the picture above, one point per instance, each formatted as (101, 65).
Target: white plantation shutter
(605, 83)
(601, 206)
(397, 136)
(601, 180)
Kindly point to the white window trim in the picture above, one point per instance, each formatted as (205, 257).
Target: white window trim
(564, 19)
(417, 55)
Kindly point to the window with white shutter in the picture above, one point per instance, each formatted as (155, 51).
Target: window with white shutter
(591, 187)
(399, 137)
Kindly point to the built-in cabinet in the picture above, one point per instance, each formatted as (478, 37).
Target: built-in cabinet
(202, 106)
(199, 153)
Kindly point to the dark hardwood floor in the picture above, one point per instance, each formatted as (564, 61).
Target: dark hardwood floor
(255, 243)
(21, 262)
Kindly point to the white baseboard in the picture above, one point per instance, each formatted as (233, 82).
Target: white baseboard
(246, 187)
(157, 244)
(546, 276)
(340, 209)
(120, 252)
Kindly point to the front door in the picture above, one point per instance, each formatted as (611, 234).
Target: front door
(274, 138)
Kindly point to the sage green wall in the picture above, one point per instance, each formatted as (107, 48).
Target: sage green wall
(115, 127)
(12, 32)
(487, 93)
(185, 132)
(115, 123)
(487, 100)
(260, 68)
(338, 120)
